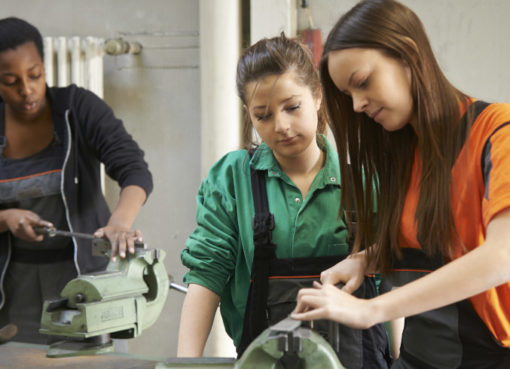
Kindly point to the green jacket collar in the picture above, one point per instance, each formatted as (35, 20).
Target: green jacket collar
(263, 159)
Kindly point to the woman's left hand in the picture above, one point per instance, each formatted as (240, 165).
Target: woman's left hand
(329, 302)
(121, 239)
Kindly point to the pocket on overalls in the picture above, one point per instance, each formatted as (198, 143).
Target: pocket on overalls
(347, 342)
(281, 298)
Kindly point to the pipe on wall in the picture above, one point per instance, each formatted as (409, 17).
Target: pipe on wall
(220, 42)
(220, 120)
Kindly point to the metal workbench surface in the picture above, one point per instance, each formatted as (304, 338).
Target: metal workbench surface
(16, 355)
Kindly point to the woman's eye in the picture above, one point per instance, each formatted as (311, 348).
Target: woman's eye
(363, 83)
(9, 81)
(263, 117)
(294, 107)
(36, 77)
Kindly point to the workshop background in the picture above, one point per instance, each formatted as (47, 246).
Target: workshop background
(177, 97)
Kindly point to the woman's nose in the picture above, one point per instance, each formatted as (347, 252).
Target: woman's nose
(359, 103)
(25, 88)
(281, 124)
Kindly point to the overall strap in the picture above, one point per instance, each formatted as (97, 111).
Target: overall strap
(255, 317)
(472, 113)
(263, 221)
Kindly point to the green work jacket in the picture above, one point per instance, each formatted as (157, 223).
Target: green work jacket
(219, 252)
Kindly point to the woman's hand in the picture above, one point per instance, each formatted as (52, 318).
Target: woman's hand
(121, 239)
(349, 271)
(118, 229)
(21, 223)
(328, 302)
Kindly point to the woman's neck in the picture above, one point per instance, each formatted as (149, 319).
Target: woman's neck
(26, 137)
(303, 168)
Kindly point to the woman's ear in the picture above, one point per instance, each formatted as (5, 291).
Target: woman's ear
(247, 116)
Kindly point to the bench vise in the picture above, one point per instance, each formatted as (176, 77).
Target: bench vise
(289, 345)
(118, 303)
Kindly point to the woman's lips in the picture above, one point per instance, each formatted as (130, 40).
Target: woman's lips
(376, 113)
(29, 106)
(288, 140)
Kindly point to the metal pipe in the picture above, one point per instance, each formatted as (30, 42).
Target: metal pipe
(63, 68)
(178, 287)
(119, 46)
(49, 61)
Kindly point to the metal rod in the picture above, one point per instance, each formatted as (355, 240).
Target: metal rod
(52, 232)
(178, 287)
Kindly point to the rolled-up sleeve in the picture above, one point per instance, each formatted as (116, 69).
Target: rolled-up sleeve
(211, 249)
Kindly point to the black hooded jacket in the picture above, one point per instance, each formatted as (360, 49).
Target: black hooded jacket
(92, 135)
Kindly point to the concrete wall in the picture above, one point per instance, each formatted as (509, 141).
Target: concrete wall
(469, 37)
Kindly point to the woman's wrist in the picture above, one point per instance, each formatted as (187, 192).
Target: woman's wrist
(361, 258)
(375, 312)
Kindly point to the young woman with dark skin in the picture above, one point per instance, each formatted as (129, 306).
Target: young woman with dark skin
(53, 141)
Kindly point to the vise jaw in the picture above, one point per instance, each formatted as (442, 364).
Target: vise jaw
(289, 345)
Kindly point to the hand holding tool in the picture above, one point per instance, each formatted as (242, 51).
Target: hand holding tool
(100, 246)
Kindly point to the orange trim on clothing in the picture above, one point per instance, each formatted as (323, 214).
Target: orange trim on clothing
(32, 175)
(413, 270)
(293, 276)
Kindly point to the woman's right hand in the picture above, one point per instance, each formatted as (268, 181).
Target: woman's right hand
(349, 271)
(21, 223)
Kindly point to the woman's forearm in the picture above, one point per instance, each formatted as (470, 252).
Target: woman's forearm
(130, 202)
(485, 267)
(197, 316)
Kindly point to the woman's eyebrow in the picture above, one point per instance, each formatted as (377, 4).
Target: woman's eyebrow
(282, 101)
(351, 76)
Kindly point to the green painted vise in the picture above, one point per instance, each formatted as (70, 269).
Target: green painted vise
(118, 303)
(288, 345)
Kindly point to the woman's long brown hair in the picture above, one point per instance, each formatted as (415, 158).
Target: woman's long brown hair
(378, 163)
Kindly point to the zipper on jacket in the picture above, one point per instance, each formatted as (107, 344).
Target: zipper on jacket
(68, 151)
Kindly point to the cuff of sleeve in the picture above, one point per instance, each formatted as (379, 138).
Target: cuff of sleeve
(143, 181)
(204, 281)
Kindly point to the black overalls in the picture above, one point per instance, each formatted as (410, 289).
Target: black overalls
(452, 337)
(275, 283)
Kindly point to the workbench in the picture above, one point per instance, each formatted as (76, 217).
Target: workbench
(16, 355)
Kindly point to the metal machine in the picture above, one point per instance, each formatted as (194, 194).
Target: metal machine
(285, 345)
(289, 345)
(117, 303)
